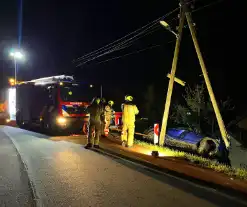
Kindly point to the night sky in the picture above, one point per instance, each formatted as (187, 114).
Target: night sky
(56, 32)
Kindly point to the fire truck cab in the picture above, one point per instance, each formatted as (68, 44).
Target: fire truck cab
(56, 103)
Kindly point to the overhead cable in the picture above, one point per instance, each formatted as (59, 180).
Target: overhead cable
(138, 31)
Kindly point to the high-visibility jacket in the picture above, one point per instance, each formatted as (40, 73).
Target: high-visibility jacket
(130, 110)
(108, 112)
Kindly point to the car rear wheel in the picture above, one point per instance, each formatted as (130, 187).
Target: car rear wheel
(206, 147)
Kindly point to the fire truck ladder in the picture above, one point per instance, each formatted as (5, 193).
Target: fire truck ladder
(52, 79)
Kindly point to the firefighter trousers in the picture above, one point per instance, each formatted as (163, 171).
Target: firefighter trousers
(94, 126)
(107, 125)
(128, 132)
(102, 127)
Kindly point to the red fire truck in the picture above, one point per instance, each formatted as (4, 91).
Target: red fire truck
(4, 115)
(56, 103)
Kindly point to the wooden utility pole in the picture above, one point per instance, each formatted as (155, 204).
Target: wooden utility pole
(179, 81)
(185, 12)
(206, 78)
(172, 77)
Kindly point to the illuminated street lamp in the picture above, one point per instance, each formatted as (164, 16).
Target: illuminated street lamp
(167, 26)
(17, 55)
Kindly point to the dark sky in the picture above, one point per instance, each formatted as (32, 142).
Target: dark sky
(56, 32)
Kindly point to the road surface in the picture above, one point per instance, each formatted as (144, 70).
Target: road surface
(65, 174)
(14, 183)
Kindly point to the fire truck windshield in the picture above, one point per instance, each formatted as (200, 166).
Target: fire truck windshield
(74, 93)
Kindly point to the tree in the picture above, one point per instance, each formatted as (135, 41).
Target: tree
(225, 106)
(192, 113)
(198, 112)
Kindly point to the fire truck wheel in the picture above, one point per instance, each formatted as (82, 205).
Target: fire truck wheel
(47, 126)
(18, 119)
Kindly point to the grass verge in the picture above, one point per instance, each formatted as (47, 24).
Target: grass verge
(203, 162)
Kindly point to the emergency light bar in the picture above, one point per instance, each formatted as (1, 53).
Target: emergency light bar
(52, 79)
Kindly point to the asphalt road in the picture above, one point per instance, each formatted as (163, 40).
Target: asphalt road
(14, 183)
(65, 174)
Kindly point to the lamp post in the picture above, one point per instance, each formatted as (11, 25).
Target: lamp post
(167, 26)
(17, 55)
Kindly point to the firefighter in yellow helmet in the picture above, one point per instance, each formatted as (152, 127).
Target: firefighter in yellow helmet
(129, 110)
(102, 128)
(108, 116)
(95, 110)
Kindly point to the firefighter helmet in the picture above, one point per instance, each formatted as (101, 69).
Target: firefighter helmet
(111, 102)
(103, 100)
(128, 98)
(96, 100)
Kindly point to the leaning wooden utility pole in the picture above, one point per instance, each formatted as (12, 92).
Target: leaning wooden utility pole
(205, 75)
(172, 77)
(185, 12)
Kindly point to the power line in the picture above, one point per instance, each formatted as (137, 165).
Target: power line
(125, 43)
(117, 48)
(149, 25)
(201, 8)
(135, 52)
(113, 46)
(129, 42)
(208, 5)
(148, 48)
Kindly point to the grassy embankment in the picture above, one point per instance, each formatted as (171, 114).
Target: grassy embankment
(203, 162)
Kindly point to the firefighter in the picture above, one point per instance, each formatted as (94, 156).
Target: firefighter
(129, 110)
(102, 127)
(108, 116)
(103, 101)
(95, 110)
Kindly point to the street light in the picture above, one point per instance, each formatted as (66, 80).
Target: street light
(17, 55)
(167, 26)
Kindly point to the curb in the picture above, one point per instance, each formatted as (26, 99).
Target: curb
(154, 168)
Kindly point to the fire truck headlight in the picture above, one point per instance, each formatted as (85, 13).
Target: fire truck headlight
(61, 120)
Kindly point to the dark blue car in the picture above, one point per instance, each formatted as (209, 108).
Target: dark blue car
(190, 141)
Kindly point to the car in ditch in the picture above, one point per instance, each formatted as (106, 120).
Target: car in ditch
(182, 138)
(190, 141)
